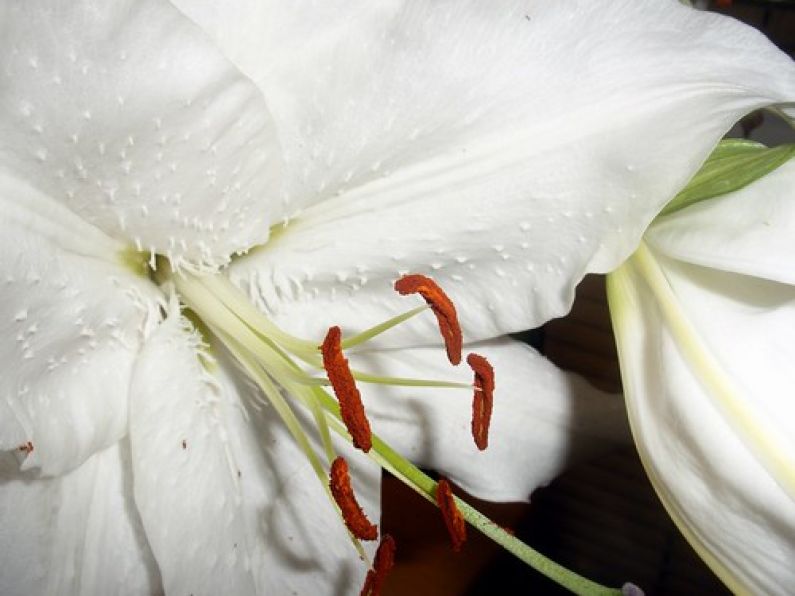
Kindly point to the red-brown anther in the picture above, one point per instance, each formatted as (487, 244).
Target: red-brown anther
(351, 407)
(355, 519)
(483, 400)
(441, 306)
(27, 447)
(456, 526)
(382, 564)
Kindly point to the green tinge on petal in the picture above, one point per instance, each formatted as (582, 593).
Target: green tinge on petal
(733, 164)
(770, 447)
(135, 261)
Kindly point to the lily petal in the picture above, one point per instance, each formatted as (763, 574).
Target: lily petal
(505, 149)
(750, 231)
(52, 530)
(543, 421)
(707, 367)
(73, 320)
(229, 502)
(129, 116)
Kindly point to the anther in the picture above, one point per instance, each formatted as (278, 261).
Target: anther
(456, 526)
(355, 519)
(26, 447)
(483, 400)
(441, 306)
(382, 564)
(350, 400)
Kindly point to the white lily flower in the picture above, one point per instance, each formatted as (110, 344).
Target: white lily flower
(704, 317)
(504, 149)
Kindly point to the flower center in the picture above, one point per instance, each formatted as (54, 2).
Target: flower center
(293, 371)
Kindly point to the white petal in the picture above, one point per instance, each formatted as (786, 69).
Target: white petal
(746, 323)
(229, 502)
(507, 147)
(750, 231)
(129, 116)
(543, 419)
(717, 445)
(76, 534)
(71, 322)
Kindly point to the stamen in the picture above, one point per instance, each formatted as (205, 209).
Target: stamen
(376, 330)
(355, 519)
(266, 354)
(442, 307)
(351, 407)
(406, 382)
(483, 400)
(382, 564)
(26, 447)
(456, 526)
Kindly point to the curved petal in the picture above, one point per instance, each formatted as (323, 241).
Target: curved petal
(707, 370)
(750, 231)
(543, 419)
(128, 116)
(229, 502)
(72, 321)
(506, 148)
(75, 534)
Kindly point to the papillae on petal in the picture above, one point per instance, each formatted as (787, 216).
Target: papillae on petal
(130, 117)
(503, 148)
(72, 321)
